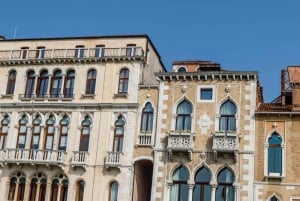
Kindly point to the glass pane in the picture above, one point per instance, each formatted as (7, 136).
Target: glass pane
(50, 129)
(114, 192)
(219, 193)
(225, 176)
(86, 131)
(184, 108)
(181, 174)
(37, 129)
(203, 175)
(23, 129)
(64, 130)
(22, 139)
(184, 192)
(63, 141)
(206, 94)
(120, 131)
(49, 142)
(207, 192)
(4, 129)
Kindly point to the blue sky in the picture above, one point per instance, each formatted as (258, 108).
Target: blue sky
(256, 35)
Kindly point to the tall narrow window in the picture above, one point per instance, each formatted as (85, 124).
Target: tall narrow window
(130, 50)
(100, 51)
(119, 134)
(123, 81)
(21, 189)
(227, 118)
(79, 51)
(24, 52)
(54, 190)
(183, 118)
(275, 154)
(64, 190)
(202, 190)
(40, 53)
(43, 186)
(147, 118)
(12, 189)
(69, 84)
(11, 83)
(50, 130)
(4, 131)
(63, 138)
(113, 192)
(91, 82)
(179, 189)
(56, 83)
(29, 84)
(79, 190)
(33, 189)
(36, 132)
(42, 86)
(225, 191)
(22, 132)
(85, 134)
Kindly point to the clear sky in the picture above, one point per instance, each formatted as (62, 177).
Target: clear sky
(252, 35)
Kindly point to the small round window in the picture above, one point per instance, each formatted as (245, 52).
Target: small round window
(181, 70)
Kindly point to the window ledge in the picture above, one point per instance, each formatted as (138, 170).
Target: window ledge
(88, 96)
(121, 95)
(7, 95)
(273, 175)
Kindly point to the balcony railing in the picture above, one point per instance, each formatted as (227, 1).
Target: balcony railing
(113, 159)
(180, 141)
(35, 156)
(225, 143)
(144, 138)
(40, 54)
(79, 158)
(45, 96)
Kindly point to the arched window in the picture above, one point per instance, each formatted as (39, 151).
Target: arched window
(275, 154)
(123, 81)
(56, 82)
(69, 84)
(36, 132)
(33, 189)
(43, 187)
(59, 184)
(181, 70)
(179, 189)
(183, 118)
(50, 131)
(12, 189)
(4, 131)
(54, 190)
(113, 191)
(42, 86)
(202, 190)
(119, 135)
(147, 118)
(63, 138)
(21, 189)
(91, 82)
(11, 83)
(85, 134)
(225, 191)
(227, 118)
(274, 198)
(79, 190)
(29, 84)
(22, 132)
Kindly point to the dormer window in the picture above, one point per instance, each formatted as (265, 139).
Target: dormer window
(181, 69)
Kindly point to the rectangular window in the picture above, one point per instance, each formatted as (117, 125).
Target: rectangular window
(40, 53)
(100, 51)
(206, 93)
(24, 52)
(79, 52)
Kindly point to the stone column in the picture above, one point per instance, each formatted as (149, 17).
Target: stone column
(48, 190)
(236, 192)
(213, 191)
(27, 190)
(191, 185)
(37, 191)
(16, 191)
(59, 191)
(169, 185)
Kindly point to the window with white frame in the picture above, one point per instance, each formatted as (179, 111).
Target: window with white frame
(275, 154)
(184, 116)
(227, 116)
(206, 93)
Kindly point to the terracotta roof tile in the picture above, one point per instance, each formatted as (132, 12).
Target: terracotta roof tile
(273, 107)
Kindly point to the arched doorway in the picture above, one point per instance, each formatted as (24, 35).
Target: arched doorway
(142, 180)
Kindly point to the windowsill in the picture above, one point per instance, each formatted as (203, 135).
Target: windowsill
(206, 101)
(88, 96)
(121, 95)
(222, 133)
(7, 96)
(274, 176)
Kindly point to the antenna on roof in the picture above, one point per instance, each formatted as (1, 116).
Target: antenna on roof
(15, 33)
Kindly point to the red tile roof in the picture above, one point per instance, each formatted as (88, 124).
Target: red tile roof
(273, 107)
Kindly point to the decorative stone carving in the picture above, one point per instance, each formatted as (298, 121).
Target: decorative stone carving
(183, 89)
(204, 123)
(227, 89)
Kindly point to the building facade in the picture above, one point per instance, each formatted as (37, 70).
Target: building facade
(68, 113)
(277, 158)
(205, 140)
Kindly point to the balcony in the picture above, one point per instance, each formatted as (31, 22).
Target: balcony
(113, 159)
(39, 55)
(144, 139)
(41, 97)
(225, 143)
(35, 156)
(79, 158)
(180, 141)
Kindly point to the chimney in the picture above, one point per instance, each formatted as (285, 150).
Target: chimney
(294, 76)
